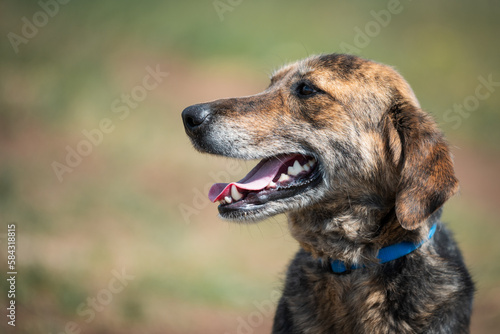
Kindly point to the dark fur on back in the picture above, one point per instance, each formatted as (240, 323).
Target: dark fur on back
(385, 171)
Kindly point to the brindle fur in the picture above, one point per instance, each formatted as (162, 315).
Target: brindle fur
(386, 173)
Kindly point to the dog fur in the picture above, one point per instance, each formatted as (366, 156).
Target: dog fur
(385, 171)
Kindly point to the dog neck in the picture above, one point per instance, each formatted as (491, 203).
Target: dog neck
(353, 235)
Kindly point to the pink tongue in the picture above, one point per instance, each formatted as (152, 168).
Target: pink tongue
(257, 179)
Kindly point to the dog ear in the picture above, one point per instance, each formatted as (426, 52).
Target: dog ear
(427, 178)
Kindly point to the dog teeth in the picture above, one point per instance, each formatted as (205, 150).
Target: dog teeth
(283, 177)
(310, 164)
(235, 194)
(295, 169)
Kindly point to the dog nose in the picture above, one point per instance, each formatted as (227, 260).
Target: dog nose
(194, 117)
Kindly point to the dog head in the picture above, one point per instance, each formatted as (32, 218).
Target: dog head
(330, 128)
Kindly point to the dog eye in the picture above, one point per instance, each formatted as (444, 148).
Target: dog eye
(306, 90)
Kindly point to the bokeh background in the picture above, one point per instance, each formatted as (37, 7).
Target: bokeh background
(134, 206)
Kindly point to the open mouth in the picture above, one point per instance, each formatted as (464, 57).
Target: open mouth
(274, 178)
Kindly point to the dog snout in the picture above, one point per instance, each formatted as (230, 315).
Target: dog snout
(195, 117)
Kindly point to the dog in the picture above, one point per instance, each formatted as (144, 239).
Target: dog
(362, 173)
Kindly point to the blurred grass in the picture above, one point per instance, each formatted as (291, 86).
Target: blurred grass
(120, 207)
(74, 51)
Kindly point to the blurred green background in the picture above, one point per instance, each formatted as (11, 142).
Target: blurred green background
(134, 206)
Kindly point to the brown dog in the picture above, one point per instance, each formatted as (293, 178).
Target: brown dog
(362, 173)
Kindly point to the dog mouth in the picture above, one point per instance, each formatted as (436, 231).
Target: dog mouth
(275, 178)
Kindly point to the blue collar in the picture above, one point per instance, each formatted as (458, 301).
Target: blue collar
(385, 254)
